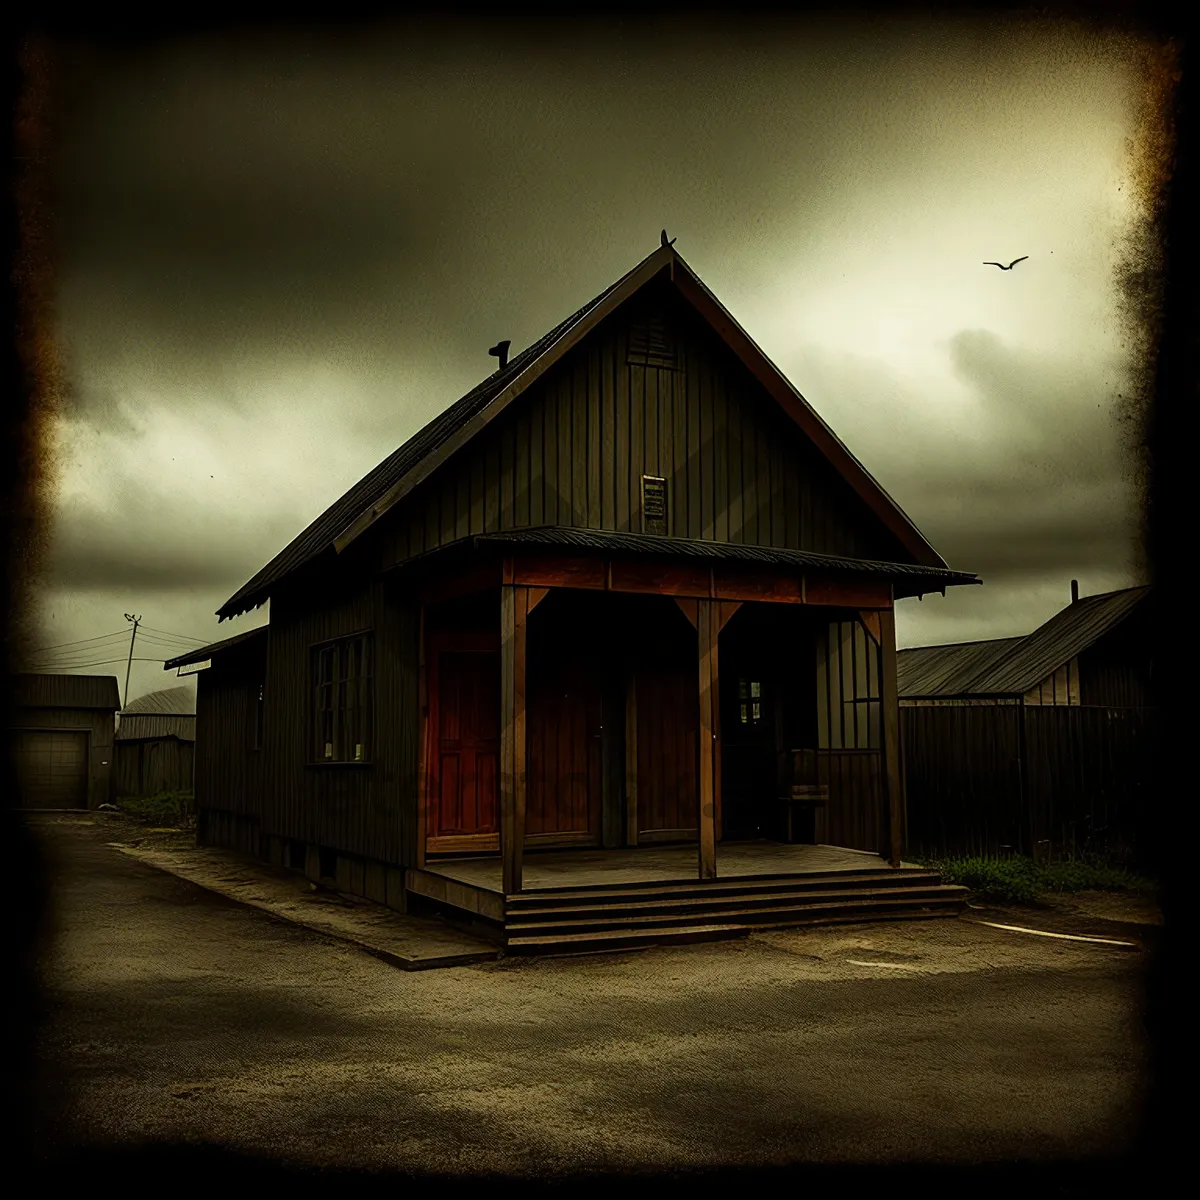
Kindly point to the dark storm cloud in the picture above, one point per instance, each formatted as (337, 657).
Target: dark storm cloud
(416, 194)
(325, 235)
(159, 542)
(1027, 471)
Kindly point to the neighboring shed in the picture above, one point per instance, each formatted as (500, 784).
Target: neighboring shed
(62, 739)
(155, 744)
(1093, 652)
(1037, 743)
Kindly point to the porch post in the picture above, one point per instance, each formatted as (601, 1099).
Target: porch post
(422, 741)
(890, 704)
(708, 626)
(514, 609)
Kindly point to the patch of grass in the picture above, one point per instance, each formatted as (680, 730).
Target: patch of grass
(164, 808)
(1021, 880)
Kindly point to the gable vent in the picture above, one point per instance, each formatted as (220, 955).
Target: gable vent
(651, 342)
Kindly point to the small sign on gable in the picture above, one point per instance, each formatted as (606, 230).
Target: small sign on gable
(654, 505)
(194, 668)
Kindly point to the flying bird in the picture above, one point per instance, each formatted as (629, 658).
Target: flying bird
(1010, 265)
(664, 239)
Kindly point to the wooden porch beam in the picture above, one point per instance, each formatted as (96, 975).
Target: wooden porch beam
(514, 612)
(707, 630)
(723, 582)
(422, 741)
(688, 608)
(890, 704)
(631, 752)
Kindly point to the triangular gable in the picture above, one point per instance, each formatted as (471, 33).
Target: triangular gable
(414, 462)
(735, 337)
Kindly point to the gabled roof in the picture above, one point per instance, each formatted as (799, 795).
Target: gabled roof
(207, 652)
(946, 670)
(413, 462)
(66, 691)
(1013, 666)
(1066, 634)
(177, 700)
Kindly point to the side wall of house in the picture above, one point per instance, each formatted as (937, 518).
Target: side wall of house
(359, 817)
(229, 770)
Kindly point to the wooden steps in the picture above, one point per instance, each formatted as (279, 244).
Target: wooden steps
(613, 916)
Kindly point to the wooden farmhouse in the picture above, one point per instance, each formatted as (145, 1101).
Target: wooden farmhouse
(604, 652)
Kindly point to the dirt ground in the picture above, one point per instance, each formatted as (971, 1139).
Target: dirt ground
(174, 1013)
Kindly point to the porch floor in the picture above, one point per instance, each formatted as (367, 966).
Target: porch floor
(550, 869)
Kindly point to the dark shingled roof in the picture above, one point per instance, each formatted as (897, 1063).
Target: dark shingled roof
(206, 652)
(567, 538)
(1013, 666)
(946, 670)
(66, 691)
(319, 536)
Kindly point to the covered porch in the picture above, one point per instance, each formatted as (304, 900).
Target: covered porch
(595, 704)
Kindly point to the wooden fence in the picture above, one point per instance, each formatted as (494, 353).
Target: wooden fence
(1006, 778)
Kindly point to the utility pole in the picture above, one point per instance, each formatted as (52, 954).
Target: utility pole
(133, 638)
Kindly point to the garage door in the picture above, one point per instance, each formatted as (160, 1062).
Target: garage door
(52, 768)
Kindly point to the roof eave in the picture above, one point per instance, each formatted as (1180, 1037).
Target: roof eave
(635, 280)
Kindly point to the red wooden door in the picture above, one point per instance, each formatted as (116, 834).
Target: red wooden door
(466, 742)
(668, 720)
(564, 768)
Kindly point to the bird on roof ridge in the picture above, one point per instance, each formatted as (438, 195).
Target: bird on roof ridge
(664, 240)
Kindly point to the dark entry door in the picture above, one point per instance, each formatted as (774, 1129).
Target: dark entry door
(750, 765)
(467, 732)
(668, 720)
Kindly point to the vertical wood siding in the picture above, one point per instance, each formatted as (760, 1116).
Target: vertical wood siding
(573, 450)
(849, 734)
(359, 809)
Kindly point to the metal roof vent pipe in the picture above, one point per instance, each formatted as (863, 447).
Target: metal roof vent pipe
(1074, 591)
(500, 351)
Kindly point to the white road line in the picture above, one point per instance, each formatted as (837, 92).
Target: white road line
(1070, 937)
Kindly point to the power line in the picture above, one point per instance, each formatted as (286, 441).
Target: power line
(184, 636)
(66, 670)
(98, 638)
(172, 641)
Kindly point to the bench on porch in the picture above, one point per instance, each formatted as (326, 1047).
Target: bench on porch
(803, 801)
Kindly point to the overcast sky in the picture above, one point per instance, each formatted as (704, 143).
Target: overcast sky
(280, 257)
